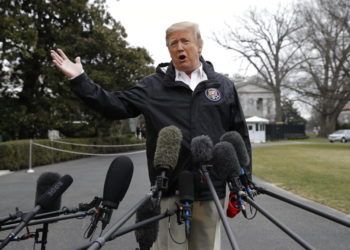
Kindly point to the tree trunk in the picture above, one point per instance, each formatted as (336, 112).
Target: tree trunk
(327, 124)
(278, 108)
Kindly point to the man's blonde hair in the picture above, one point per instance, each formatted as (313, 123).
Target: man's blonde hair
(184, 26)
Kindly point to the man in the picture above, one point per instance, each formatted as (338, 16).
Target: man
(188, 94)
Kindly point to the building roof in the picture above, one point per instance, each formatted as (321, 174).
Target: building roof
(256, 119)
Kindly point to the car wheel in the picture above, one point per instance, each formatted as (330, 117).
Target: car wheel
(343, 140)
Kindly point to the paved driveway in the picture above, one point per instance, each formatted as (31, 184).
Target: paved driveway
(18, 190)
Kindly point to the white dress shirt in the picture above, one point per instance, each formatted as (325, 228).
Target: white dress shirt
(197, 76)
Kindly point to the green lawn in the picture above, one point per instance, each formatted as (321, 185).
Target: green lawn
(318, 171)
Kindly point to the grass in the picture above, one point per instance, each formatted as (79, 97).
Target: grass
(319, 171)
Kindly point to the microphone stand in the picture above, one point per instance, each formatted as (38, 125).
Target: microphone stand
(25, 220)
(4, 220)
(44, 230)
(42, 215)
(284, 228)
(161, 184)
(100, 241)
(50, 220)
(230, 235)
(304, 206)
(126, 230)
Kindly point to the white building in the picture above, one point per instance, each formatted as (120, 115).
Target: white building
(257, 129)
(344, 116)
(256, 100)
(258, 104)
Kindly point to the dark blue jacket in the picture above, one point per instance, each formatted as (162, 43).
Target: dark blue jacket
(212, 109)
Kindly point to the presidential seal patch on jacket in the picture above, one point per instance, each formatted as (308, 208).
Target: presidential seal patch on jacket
(213, 94)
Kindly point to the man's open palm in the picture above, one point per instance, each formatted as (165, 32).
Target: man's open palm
(69, 68)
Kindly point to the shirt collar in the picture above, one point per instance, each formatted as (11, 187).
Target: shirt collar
(197, 76)
(199, 72)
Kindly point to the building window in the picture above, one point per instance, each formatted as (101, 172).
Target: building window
(259, 104)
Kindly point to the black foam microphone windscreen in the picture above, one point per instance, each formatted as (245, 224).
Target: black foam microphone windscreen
(43, 202)
(168, 148)
(44, 182)
(236, 140)
(147, 234)
(117, 181)
(225, 161)
(201, 149)
(54, 192)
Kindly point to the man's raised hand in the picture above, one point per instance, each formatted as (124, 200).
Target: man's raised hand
(62, 62)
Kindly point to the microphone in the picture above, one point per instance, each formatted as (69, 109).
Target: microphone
(166, 156)
(44, 182)
(147, 234)
(117, 181)
(43, 202)
(235, 198)
(227, 168)
(165, 160)
(202, 149)
(237, 142)
(116, 184)
(202, 152)
(186, 192)
(226, 165)
(54, 192)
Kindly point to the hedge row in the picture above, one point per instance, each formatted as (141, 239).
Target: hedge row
(14, 155)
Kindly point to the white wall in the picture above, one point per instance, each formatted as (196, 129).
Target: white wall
(257, 132)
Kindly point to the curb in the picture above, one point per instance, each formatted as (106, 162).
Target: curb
(5, 172)
(291, 195)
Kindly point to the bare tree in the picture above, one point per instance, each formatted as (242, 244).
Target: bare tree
(325, 42)
(264, 40)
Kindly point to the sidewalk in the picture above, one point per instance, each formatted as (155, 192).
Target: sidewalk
(278, 143)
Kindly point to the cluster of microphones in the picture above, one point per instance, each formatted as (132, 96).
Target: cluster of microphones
(227, 160)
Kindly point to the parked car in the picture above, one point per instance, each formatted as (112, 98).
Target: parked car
(340, 135)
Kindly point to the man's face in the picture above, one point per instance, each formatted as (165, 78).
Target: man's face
(184, 50)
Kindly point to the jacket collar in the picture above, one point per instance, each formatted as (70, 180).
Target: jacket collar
(169, 74)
